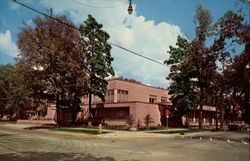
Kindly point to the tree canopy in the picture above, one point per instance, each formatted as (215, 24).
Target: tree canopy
(51, 60)
(182, 72)
(98, 57)
(14, 99)
(218, 75)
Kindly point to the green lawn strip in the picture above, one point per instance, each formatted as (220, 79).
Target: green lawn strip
(126, 128)
(107, 127)
(177, 131)
(7, 122)
(160, 128)
(93, 132)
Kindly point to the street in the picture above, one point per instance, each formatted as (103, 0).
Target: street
(24, 145)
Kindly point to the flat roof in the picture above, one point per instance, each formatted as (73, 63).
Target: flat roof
(136, 82)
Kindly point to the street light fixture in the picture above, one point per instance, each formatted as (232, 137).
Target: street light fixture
(130, 8)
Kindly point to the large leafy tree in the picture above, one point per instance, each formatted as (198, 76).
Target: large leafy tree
(14, 99)
(211, 87)
(182, 74)
(201, 57)
(98, 58)
(52, 62)
(231, 33)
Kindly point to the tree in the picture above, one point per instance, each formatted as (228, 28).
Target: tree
(98, 58)
(130, 120)
(13, 94)
(194, 68)
(203, 60)
(52, 62)
(182, 74)
(229, 85)
(147, 120)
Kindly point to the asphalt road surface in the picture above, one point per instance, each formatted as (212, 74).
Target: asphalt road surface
(34, 145)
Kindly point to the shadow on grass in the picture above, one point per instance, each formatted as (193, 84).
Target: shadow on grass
(7, 122)
(52, 156)
(93, 132)
(177, 131)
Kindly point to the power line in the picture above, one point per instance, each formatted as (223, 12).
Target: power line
(41, 13)
(137, 54)
(99, 7)
(71, 26)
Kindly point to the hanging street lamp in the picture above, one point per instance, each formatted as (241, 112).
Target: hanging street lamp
(130, 8)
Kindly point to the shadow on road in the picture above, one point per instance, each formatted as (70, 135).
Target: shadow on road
(52, 156)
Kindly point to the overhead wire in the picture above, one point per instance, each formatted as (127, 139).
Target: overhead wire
(69, 25)
(99, 7)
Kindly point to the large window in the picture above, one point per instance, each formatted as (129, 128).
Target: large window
(109, 96)
(122, 95)
(111, 113)
(152, 99)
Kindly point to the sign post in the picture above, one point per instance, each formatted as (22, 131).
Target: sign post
(167, 121)
(167, 112)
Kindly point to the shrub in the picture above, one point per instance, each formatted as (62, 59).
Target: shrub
(148, 119)
(130, 120)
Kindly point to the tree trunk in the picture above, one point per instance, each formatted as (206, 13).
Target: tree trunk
(216, 116)
(221, 119)
(90, 105)
(201, 116)
(57, 112)
(201, 109)
(187, 121)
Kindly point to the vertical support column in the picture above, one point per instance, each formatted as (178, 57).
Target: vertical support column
(115, 95)
(204, 116)
(194, 116)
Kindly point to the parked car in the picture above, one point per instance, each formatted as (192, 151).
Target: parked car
(237, 125)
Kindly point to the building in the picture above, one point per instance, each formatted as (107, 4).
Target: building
(128, 98)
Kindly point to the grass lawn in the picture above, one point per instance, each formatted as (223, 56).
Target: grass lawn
(177, 131)
(126, 128)
(74, 130)
(107, 127)
(7, 122)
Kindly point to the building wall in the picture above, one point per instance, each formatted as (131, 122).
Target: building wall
(143, 109)
(125, 91)
(138, 92)
(138, 110)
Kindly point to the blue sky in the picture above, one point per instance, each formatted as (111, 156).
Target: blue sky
(150, 30)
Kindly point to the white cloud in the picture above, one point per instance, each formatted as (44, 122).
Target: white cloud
(7, 46)
(131, 31)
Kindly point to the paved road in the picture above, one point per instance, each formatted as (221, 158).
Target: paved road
(32, 145)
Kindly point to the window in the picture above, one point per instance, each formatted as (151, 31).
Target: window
(109, 96)
(122, 95)
(152, 99)
(111, 113)
(164, 99)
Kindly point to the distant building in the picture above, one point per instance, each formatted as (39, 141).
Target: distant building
(125, 98)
